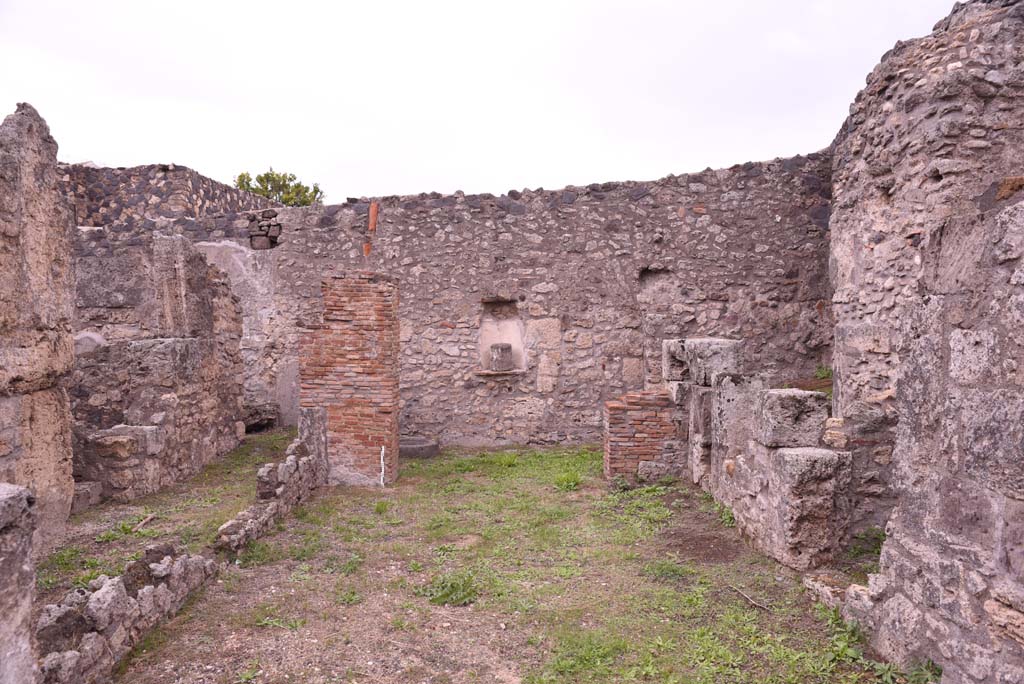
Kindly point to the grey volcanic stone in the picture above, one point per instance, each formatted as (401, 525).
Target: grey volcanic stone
(791, 417)
(17, 584)
(709, 357)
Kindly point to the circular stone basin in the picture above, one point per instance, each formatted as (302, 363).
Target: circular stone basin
(417, 447)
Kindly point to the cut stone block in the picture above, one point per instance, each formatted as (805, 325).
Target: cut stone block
(673, 361)
(17, 522)
(87, 494)
(732, 427)
(708, 357)
(501, 357)
(699, 455)
(679, 391)
(810, 500)
(791, 417)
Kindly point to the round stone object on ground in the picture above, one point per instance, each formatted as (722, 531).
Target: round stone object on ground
(417, 447)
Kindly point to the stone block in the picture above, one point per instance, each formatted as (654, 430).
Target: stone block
(679, 391)
(35, 450)
(673, 361)
(708, 357)
(418, 447)
(17, 584)
(732, 410)
(809, 499)
(791, 417)
(699, 417)
(87, 494)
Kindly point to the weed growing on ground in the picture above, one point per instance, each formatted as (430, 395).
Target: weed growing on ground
(568, 481)
(335, 565)
(258, 553)
(847, 641)
(346, 596)
(586, 656)
(668, 570)
(249, 674)
(720, 510)
(458, 588)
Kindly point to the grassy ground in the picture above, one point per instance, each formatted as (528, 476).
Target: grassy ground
(103, 539)
(517, 566)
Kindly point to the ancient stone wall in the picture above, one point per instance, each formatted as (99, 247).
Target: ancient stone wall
(17, 584)
(156, 387)
(36, 290)
(584, 283)
(928, 239)
(101, 196)
(349, 368)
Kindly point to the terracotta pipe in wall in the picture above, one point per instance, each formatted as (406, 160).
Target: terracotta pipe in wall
(371, 227)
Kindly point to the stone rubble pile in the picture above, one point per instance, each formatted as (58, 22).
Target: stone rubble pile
(82, 638)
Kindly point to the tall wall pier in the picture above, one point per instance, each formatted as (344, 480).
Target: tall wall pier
(349, 369)
(927, 248)
(36, 295)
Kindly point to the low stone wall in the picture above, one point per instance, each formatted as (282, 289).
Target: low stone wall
(349, 366)
(83, 637)
(17, 585)
(282, 486)
(641, 437)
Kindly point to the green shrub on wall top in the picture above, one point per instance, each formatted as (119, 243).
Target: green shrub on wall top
(282, 187)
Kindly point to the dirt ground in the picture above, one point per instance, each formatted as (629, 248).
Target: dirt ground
(516, 566)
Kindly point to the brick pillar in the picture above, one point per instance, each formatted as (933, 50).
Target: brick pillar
(640, 434)
(349, 366)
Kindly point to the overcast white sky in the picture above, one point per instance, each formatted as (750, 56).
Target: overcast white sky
(386, 97)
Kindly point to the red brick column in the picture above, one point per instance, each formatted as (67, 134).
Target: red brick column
(638, 427)
(349, 366)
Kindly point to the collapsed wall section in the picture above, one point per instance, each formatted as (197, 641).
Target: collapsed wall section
(36, 294)
(156, 387)
(349, 368)
(82, 638)
(928, 238)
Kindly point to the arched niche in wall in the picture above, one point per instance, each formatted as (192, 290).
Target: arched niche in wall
(501, 337)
